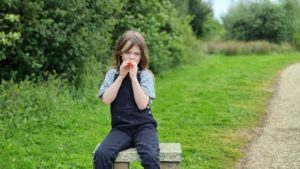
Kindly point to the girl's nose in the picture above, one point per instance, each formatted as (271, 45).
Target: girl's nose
(131, 56)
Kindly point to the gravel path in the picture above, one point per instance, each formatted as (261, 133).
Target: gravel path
(278, 143)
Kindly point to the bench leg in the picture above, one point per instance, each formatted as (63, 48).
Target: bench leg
(121, 165)
(169, 165)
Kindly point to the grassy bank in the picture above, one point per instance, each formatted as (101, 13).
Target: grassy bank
(207, 107)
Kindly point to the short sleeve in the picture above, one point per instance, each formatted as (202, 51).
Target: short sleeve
(147, 83)
(108, 81)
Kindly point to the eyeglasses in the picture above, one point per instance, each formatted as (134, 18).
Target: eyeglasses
(132, 53)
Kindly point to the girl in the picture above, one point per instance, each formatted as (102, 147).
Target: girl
(129, 89)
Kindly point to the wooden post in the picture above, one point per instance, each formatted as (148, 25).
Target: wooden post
(170, 155)
(121, 165)
(169, 165)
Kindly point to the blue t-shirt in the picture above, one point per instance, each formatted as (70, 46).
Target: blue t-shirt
(147, 82)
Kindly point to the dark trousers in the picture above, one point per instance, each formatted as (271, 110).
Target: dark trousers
(143, 138)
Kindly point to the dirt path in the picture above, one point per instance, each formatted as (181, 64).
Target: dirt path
(278, 144)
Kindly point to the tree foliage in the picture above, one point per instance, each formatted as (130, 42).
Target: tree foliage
(53, 35)
(263, 20)
(213, 29)
(182, 7)
(58, 36)
(201, 11)
(291, 10)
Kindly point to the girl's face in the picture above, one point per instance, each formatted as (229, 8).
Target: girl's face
(132, 54)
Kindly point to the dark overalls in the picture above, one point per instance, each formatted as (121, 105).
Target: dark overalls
(131, 127)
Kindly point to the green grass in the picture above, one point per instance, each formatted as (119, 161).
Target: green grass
(207, 107)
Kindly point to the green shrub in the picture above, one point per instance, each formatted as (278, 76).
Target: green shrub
(54, 36)
(296, 41)
(61, 36)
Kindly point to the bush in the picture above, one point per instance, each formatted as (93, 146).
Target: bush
(60, 37)
(296, 41)
(54, 36)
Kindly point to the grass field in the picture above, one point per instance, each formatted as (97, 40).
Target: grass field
(207, 107)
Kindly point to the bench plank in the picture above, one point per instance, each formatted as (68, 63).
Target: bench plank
(168, 152)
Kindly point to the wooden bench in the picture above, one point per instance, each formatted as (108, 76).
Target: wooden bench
(170, 157)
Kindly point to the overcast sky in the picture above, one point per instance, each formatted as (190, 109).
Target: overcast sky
(221, 7)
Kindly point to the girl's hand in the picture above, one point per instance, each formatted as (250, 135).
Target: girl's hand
(129, 66)
(124, 69)
(133, 68)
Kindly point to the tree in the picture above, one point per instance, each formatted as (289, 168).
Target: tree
(200, 11)
(258, 20)
(263, 20)
(213, 29)
(291, 10)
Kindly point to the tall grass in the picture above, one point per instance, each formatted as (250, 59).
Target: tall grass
(206, 107)
(28, 102)
(246, 48)
(46, 125)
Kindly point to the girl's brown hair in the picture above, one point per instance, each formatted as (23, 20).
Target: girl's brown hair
(135, 38)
